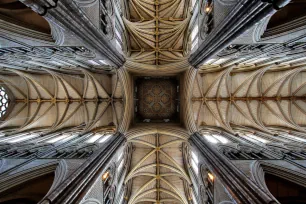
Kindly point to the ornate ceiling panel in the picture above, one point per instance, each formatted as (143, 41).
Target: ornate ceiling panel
(157, 31)
(156, 100)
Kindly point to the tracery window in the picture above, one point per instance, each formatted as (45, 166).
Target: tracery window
(60, 138)
(98, 138)
(194, 37)
(120, 166)
(72, 153)
(209, 179)
(107, 183)
(4, 101)
(194, 163)
(118, 39)
(298, 139)
(245, 154)
(256, 139)
(206, 10)
(106, 13)
(18, 138)
(215, 138)
(296, 155)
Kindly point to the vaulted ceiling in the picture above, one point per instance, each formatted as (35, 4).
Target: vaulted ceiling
(218, 94)
(258, 98)
(157, 169)
(157, 32)
(53, 101)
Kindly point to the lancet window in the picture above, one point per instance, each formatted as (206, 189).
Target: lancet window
(208, 179)
(194, 37)
(215, 138)
(194, 163)
(245, 154)
(207, 10)
(106, 12)
(107, 185)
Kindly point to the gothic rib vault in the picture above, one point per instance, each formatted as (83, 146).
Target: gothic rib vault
(157, 170)
(158, 42)
(158, 37)
(80, 77)
(55, 101)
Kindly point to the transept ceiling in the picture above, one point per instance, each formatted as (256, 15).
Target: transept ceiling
(53, 101)
(157, 32)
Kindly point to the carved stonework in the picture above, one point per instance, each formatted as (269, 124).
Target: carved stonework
(157, 99)
(207, 23)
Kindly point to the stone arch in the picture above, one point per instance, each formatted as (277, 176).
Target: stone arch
(291, 17)
(91, 201)
(26, 26)
(283, 25)
(32, 184)
(260, 168)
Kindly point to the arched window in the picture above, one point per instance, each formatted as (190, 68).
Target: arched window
(93, 138)
(194, 163)
(194, 37)
(193, 2)
(215, 138)
(256, 139)
(118, 39)
(107, 179)
(24, 137)
(207, 10)
(98, 138)
(60, 138)
(104, 138)
(244, 152)
(209, 180)
(120, 166)
(295, 138)
(4, 101)
(106, 15)
(27, 192)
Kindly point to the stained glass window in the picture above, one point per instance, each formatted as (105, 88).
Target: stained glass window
(3, 101)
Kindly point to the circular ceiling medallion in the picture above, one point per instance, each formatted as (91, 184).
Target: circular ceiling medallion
(148, 98)
(156, 89)
(165, 98)
(156, 107)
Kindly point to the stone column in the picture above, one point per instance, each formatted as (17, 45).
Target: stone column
(238, 185)
(70, 18)
(79, 182)
(243, 15)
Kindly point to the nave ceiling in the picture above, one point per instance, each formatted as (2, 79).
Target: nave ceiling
(53, 101)
(157, 173)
